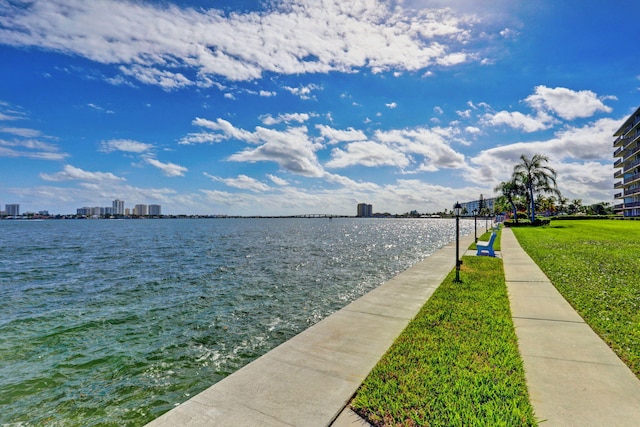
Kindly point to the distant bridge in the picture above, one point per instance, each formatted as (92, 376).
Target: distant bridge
(315, 216)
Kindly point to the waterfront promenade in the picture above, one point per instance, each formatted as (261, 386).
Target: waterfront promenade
(308, 380)
(573, 377)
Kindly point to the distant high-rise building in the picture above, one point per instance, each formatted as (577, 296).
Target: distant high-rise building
(12, 210)
(118, 207)
(365, 210)
(155, 210)
(140, 210)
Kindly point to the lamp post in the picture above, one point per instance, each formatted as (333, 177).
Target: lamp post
(475, 224)
(456, 210)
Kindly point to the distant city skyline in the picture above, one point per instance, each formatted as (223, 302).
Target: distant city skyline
(117, 208)
(295, 106)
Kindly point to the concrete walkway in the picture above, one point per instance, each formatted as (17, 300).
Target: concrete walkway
(308, 380)
(573, 377)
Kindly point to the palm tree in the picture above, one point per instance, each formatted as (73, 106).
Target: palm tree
(510, 190)
(575, 206)
(562, 203)
(535, 176)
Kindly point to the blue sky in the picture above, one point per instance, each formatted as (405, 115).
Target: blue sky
(303, 106)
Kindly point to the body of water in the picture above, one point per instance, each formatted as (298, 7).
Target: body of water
(114, 322)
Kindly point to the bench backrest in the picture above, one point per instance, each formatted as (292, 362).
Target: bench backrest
(493, 237)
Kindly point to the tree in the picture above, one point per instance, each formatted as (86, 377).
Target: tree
(575, 206)
(510, 190)
(535, 176)
(562, 203)
(546, 205)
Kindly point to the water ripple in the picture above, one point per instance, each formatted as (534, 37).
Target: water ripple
(116, 322)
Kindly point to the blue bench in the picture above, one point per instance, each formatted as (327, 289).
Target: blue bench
(486, 248)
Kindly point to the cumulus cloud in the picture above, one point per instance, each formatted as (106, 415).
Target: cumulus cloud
(157, 43)
(581, 155)
(562, 102)
(517, 120)
(432, 146)
(290, 149)
(567, 103)
(72, 173)
(242, 182)
(126, 145)
(336, 135)
(367, 153)
(168, 169)
(277, 180)
(269, 120)
(304, 92)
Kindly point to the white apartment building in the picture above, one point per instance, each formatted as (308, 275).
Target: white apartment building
(140, 210)
(12, 210)
(364, 210)
(155, 210)
(118, 207)
(627, 166)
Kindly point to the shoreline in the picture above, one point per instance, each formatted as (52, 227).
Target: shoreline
(309, 379)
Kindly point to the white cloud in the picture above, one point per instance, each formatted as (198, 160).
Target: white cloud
(335, 135)
(304, 92)
(23, 132)
(126, 145)
(242, 182)
(168, 169)
(71, 173)
(154, 43)
(10, 113)
(566, 103)
(269, 120)
(517, 120)
(200, 138)
(165, 79)
(277, 180)
(367, 153)
(580, 155)
(430, 145)
(509, 33)
(291, 149)
(99, 108)
(31, 149)
(392, 105)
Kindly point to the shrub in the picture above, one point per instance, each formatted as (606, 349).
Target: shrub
(526, 223)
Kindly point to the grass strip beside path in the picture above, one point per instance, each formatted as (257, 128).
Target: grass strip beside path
(486, 237)
(456, 363)
(594, 264)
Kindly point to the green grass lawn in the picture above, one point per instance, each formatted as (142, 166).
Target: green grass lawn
(594, 264)
(456, 363)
